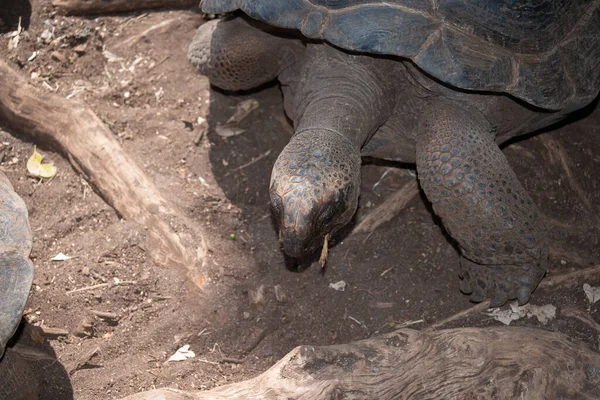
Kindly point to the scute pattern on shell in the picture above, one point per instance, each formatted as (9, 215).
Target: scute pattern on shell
(545, 52)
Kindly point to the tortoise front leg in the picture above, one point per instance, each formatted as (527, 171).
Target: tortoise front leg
(502, 237)
(237, 56)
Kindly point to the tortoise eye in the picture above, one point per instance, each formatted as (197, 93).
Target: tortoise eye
(327, 215)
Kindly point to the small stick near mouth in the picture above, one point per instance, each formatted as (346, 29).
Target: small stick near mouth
(324, 251)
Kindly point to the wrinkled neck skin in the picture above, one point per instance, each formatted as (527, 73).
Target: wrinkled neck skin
(338, 100)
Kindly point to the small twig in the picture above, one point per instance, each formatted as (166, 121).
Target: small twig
(160, 298)
(472, 310)
(229, 360)
(253, 161)
(203, 360)
(382, 305)
(359, 323)
(53, 333)
(199, 137)
(105, 315)
(98, 286)
(586, 319)
(409, 323)
(165, 58)
(101, 285)
(161, 25)
(202, 130)
(324, 252)
(84, 360)
(570, 278)
(389, 208)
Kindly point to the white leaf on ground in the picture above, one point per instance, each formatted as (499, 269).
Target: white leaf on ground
(61, 257)
(257, 296)
(592, 293)
(242, 110)
(339, 286)
(506, 316)
(182, 354)
(542, 313)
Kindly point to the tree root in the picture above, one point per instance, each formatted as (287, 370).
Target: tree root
(78, 133)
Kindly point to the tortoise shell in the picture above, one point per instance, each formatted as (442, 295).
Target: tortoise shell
(16, 270)
(544, 52)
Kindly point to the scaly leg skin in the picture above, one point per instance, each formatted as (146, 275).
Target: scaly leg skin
(502, 236)
(237, 56)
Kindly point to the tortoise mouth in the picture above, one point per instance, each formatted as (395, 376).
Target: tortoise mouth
(303, 227)
(297, 247)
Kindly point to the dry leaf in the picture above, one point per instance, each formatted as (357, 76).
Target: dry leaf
(182, 354)
(242, 110)
(592, 293)
(61, 257)
(257, 296)
(36, 168)
(542, 313)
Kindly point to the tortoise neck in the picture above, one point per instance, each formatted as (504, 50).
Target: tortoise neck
(318, 132)
(343, 93)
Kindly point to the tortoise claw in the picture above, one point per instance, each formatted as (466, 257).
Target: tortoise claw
(478, 295)
(500, 298)
(465, 287)
(523, 295)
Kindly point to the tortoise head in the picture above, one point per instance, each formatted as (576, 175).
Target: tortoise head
(314, 190)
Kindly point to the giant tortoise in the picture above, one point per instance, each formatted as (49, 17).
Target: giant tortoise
(16, 275)
(438, 83)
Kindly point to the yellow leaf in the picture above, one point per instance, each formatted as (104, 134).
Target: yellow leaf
(36, 168)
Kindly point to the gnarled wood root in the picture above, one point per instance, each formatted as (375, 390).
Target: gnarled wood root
(464, 363)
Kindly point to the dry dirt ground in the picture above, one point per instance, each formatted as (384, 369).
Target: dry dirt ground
(131, 69)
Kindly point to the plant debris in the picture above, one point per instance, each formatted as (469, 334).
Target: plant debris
(182, 354)
(592, 293)
(543, 313)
